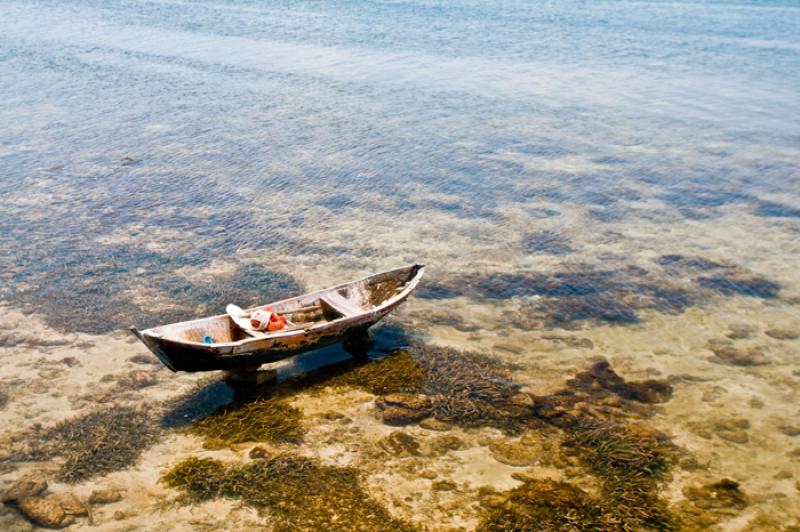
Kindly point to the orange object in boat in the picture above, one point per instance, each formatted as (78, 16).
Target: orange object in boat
(276, 322)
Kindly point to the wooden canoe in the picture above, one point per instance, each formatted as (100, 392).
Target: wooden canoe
(315, 320)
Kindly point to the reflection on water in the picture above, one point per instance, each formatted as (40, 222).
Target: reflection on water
(613, 179)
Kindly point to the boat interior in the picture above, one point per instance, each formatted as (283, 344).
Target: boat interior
(300, 312)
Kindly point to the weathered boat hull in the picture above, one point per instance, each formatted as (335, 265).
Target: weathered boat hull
(182, 354)
(180, 357)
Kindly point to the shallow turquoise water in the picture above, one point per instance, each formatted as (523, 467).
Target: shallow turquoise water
(140, 138)
(340, 99)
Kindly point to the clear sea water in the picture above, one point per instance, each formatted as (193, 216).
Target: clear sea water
(159, 159)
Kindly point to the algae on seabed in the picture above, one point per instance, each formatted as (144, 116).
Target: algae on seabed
(545, 505)
(631, 461)
(97, 443)
(269, 420)
(296, 492)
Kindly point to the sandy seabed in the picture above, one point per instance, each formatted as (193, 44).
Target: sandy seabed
(735, 422)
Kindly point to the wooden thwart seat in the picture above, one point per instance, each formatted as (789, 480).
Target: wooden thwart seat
(341, 304)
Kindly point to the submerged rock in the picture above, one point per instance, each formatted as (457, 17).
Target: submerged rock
(729, 354)
(52, 511)
(783, 334)
(105, 496)
(733, 430)
(403, 408)
(399, 443)
(27, 486)
(708, 504)
(513, 453)
(71, 504)
(444, 485)
(738, 335)
(511, 348)
(755, 402)
(71, 362)
(519, 404)
(137, 379)
(790, 430)
(490, 498)
(14, 522)
(149, 360)
(451, 319)
(445, 444)
(45, 511)
(258, 453)
(428, 473)
(432, 423)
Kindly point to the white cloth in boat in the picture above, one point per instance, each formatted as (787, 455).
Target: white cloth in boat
(242, 319)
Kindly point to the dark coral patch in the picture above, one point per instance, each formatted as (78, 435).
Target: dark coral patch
(727, 353)
(600, 375)
(704, 197)
(691, 263)
(583, 294)
(597, 411)
(335, 202)
(568, 297)
(572, 312)
(776, 210)
(612, 397)
(432, 289)
(547, 242)
(103, 286)
(608, 214)
(542, 213)
(741, 284)
(600, 415)
(720, 277)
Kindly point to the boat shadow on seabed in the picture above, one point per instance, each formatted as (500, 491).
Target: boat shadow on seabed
(327, 362)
